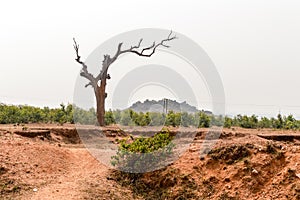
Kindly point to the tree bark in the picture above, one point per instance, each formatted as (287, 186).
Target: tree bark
(100, 102)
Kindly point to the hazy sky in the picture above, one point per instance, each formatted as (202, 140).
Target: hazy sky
(254, 44)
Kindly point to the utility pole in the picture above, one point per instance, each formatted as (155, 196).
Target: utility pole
(167, 101)
(165, 106)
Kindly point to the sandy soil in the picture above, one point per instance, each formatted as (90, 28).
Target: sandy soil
(59, 167)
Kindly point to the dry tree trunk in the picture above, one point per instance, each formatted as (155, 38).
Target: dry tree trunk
(100, 102)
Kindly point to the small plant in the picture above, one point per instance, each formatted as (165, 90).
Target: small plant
(204, 120)
(228, 122)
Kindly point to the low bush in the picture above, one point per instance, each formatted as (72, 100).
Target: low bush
(143, 154)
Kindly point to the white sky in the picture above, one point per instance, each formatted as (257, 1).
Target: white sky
(253, 43)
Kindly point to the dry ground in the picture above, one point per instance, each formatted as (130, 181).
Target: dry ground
(241, 166)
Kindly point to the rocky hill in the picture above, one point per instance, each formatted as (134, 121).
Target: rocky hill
(158, 106)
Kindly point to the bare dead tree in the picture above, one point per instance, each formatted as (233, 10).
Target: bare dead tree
(102, 77)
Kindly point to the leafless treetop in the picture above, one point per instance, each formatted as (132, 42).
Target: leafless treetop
(108, 60)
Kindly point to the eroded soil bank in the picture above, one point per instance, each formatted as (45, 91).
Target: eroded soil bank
(52, 163)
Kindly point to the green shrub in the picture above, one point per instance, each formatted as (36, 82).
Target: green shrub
(264, 123)
(216, 120)
(109, 118)
(157, 119)
(125, 118)
(187, 119)
(170, 119)
(290, 122)
(143, 154)
(204, 120)
(228, 122)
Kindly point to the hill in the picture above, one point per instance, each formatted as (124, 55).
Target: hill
(158, 106)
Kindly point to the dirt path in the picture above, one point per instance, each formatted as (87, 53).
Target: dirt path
(40, 169)
(82, 171)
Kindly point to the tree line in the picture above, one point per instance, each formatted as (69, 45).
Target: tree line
(12, 114)
(280, 122)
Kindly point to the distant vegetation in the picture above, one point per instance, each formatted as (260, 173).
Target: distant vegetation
(280, 122)
(11, 114)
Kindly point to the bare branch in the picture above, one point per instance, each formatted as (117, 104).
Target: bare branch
(89, 84)
(153, 47)
(134, 49)
(148, 48)
(107, 61)
(76, 47)
(137, 46)
(84, 71)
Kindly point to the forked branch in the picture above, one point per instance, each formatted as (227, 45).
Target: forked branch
(151, 48)
(84, 71)
(145, 52)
